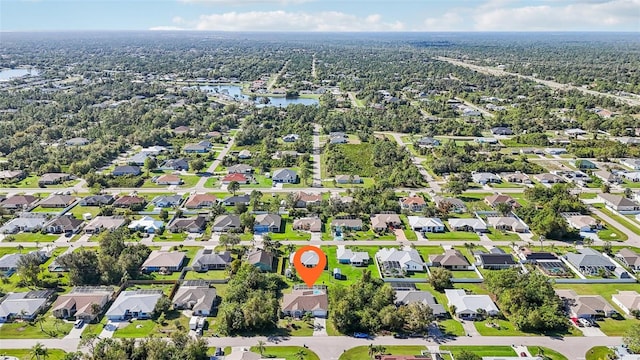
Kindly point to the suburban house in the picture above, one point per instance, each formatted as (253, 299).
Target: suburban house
(466, 306)
(10, 176)
(311, 224)
(79, 303)
(620, 203)
(348, 179)
(237, 199)
(585, 306)
(631, 176)
(548, 178)
(176, 164)
(427, 141)
(583, 164)
(456, 205)
(138, 159)
(452, 259)
(291, 138)
(19, 202)
(632, 163)
(607, 177)
(283, 176)
(100, 223)
(166, 201)
(583, 223)
(471, 225)
(303, 199)
(629, 258)
(64, 225)
(24, 305)
(181, 130)
(261, 259)
(240, 178)
(413, 203)
(77, 141)
(304, 300)
(590, 262)
(406, 297)
(267, 223)
(517, 177)
(53, 179)
(194, 225)
(9, 262)
(153, 150)
(574, 132)
(208, 259)
(484, 178)
(555, 151)
(495, 261)
(146, 224)
(125, 170)
(194, 149)
(168, 179)
(97, 200)
(346, 224)
(164, 261)
(26, 224)
(355, 258)
(200, 201)
(507, 223)
(129, 201)
(240, 169)
(196, 296)
(405, 260)
(501, 130)
(244, 154)
(425, 224)
(495, 199)
(138, 304)
(226, 222)
(628, 301)
(57, 201)
(380, 222)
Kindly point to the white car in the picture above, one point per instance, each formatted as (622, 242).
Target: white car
(585, 322)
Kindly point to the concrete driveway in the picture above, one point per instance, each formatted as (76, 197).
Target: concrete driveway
(76, 332)
(592, 331)
(320, 327)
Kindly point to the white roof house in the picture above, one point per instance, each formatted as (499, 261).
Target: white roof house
(408, 259)
(348, 256)
(627, 301)
(475, 224)
(467, 305)
(421, 223)
(146, 224)
(134, 304)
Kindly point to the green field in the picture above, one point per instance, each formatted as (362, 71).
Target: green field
(35, 237)
(289, 233)
(550, 354)
(453, 235)
(362, 352)
(25, 330)
(25, 354)
(599, 353)
(136, 329)
(481, 350)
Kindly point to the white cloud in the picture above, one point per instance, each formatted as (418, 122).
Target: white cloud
(327, 21)
(246, 2)
(577, 15)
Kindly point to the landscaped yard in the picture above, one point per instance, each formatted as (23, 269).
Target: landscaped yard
(286, 352)
(451, 327)
(497, 327)
(25, 354)
(297, 327)
(453, 235)
(548, 353)
(78, 211)
(497, 235)
(616, 327)
(289, 233)
(465, 274)
(24, 330)
(209, 275)
(599, 353)
(136, 329)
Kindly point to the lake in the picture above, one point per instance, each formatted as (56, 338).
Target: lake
(235, 92)
(10, 74)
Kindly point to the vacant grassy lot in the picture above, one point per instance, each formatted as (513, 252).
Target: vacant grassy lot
(452, 235)
(362, 352)
(289, 233)
(25, 354)
(481, 350)
(287, 352)
(35, 237)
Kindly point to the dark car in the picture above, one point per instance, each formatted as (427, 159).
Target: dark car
(360, 335)
(401, 336)
(219, 352)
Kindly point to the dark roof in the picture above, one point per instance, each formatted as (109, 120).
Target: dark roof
(541, 256)
(496, 259)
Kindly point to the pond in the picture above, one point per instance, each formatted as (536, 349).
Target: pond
(235, 92)
(10, 74)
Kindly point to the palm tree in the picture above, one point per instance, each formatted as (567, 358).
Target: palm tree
(301, 354)
(38, 351)
(261, 347)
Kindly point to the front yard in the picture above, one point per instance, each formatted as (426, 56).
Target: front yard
(51, 328)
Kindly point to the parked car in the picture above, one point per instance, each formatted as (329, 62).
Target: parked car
(585, 322)
(219, 352)
(78, 323)
(400, 336)
(360, 335)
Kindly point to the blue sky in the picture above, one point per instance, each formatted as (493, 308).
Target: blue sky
(321, 15)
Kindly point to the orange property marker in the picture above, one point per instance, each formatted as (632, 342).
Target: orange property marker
(309, 274)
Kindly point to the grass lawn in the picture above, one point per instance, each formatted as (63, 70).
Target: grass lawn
(352, 273)
(169, 236)
(465, 274)
(362, 352)
(25, 354)
(500, 328)
(289, 233)
(606, 290)
(497, 235)
(451, 327)
(616, 327)
(78, 211)
(35, 237)
(611, 234)
(453, 235)
(548, 353)
(209, 275)
(481, 350)
(136, 329)
(94, 329)
(28, 182)
(25, 330)
(631, 184)
(212, 183)
(297, 328)
(10, 250)
(599, 353)
(622, 220)
(286, 352)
